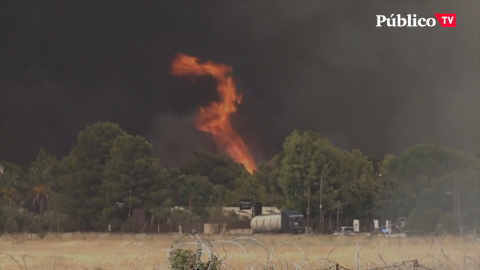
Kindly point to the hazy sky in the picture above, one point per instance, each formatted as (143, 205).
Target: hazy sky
(321, 65)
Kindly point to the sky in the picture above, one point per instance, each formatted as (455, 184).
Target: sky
(320, 66)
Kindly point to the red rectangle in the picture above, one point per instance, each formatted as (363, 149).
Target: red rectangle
(447, 19)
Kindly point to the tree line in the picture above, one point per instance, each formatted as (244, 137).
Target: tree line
(109, 172)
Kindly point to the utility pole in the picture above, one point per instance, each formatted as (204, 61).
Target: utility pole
(456, 205)
(129, 202)
(320, 229)
(308, 211)
(252, 206)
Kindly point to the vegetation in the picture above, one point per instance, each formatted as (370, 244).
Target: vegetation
(184, 258)
(109, 172)
(279, 251)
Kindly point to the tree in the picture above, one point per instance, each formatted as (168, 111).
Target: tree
(41, 181)
(82, 174)
(9, 196)
(40, 198)
(362, 190)
(220, 170)
(195, 192)
(304, 158)
(431, 179)
(129, 175)
(267, 176)
(246, 186)
(421, 164)
(349, 188)
(162, 193)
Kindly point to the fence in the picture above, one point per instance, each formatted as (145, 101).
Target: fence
(276, 251)
(234, 227)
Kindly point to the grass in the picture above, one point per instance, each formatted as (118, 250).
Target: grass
(128, 251)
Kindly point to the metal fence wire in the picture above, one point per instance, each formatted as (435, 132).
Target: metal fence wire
(376, 251)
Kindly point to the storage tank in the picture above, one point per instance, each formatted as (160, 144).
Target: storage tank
(266, 223)
(289, 221)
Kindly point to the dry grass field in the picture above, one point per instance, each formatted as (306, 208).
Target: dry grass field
(128, 251)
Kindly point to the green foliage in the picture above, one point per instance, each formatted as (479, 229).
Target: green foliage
(220, 170)
(217, 218)
(305, 156)
(248, 185)
(11, 188)
(21, 218)
(194, 192)
(29, 222)
(422, 164)
(427, 181)
(426, 221)
(350, 186)
(268, 175)
(129, 168)
(10, 197)
(128, 226)
(40, 197)
(435, 187)
(180, 259)
(447, 224)
(82, 174)
(10, 226)
(180, 216)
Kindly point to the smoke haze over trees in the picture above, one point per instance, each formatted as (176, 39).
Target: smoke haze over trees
(109, 172)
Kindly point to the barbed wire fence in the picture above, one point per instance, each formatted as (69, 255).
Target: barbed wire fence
(367, 253)
(249, 252)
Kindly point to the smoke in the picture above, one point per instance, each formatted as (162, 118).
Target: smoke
(176, 137)
(384, 89)
(322, 66)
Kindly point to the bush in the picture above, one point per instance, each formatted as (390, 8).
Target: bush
(28, 222)
(128, 226)
(116, 224)
(425, 221)
(21, 218)
(10, 225)
(187, 259)
(447, 224)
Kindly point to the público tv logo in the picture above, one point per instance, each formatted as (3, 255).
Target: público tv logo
(411, 20)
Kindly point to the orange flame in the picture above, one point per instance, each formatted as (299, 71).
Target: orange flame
(215, 118)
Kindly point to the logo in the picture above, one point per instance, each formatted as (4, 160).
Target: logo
(411, 20)
(447, 19)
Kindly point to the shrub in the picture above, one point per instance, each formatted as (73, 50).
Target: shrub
(128, 226)
(21, 218)
(187, 259)
(10, 225)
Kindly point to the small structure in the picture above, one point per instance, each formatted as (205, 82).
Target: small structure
(247, 213)
(401, 222)
(139, 219)
(356, 225)
(344, 230)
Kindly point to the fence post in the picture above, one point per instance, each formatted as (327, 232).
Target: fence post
(415, 264)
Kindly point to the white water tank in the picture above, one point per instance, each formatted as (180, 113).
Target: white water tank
(266, 223)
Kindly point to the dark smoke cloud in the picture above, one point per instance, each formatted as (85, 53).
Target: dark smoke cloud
(307, 65)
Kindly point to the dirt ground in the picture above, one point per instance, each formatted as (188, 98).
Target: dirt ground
(141, 251)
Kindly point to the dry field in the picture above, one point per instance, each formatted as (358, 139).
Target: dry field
(128, 251)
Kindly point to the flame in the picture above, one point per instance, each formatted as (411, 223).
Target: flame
(215, 118)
